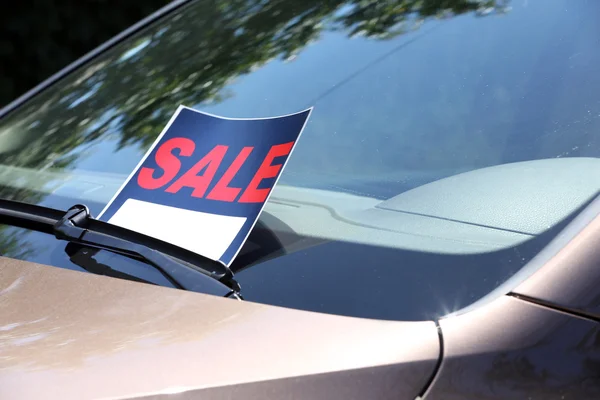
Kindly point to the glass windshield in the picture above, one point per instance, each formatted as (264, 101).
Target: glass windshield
(444, 134)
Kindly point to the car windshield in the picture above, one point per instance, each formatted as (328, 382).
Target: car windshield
(449, 142)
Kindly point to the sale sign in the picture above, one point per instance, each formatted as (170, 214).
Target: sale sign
(205, 180)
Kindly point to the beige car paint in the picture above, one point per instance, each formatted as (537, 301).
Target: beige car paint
(72, 335)
(574, 266)
(514, 349)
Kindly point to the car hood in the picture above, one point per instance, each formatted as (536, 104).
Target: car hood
(72, 335)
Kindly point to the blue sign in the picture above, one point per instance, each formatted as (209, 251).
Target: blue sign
(205, 180)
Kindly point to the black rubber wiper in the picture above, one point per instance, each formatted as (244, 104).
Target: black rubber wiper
(183, 268)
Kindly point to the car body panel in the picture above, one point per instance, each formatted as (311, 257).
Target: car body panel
(513, 349)
(66, 335)
(364, 384)
(571, 278)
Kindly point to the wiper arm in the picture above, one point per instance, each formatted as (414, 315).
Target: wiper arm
(183, 268)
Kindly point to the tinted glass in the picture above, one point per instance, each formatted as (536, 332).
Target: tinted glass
(449, 142)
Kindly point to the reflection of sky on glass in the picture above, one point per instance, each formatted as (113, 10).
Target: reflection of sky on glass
(286, 87)
(135, 50)
(86, 95)
(123, 161)
(434, 102)
(101, 120)
(287, 96)
(94, 156)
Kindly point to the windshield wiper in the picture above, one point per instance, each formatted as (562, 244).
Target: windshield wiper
(183, 268)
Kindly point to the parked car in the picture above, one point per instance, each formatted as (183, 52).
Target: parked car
(435, 234)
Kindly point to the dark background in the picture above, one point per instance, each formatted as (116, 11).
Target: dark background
(40, 37)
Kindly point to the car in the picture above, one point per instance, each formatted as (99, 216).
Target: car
(435, 234)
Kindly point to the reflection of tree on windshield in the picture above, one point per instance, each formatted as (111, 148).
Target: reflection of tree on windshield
(14, 243)
(132, 91)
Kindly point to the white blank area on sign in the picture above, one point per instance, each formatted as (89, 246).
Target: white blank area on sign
(203, 233)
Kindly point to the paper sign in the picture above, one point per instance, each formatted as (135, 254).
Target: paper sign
(205, 180)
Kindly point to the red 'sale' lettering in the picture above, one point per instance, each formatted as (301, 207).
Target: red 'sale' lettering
(166, 160)
(222, 191)
(253, 194)
(200, 183)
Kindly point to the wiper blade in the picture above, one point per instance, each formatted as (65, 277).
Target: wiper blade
(183, 268)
